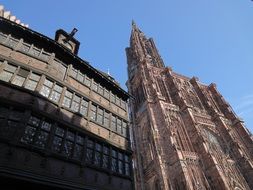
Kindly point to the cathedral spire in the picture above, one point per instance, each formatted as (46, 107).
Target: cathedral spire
(144, 48)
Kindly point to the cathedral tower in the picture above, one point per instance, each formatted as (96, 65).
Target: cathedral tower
(186, 136)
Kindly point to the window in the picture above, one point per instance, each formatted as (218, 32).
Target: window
(67, 99)
(78, 147)
(100, 116)
(56, 93)
(113, 99)
(119, 124)
(12, 42)
(113, 123)
(127, 165)
(58, 139)
(118, 101)
(89, 151)
(93, 113)
(44, 56)
(42, 134)
(106, 94)
(3, 37)
(80, 77)
(25, 47)
(87, 81)
(8, 72)
(32, 81)
(101, 90)
(19, 79)
(121, 163)
(124, 128)
(94, 86)
(74, 73)
(84, 107)
(105, 163)
(123, 104)
(36, 132)
(35, 51)
(98, 149)
(46, 88)
(68, 144)
(76, 103)
(106, 119)
(114, 161)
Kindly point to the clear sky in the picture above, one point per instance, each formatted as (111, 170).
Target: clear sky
(210, 39)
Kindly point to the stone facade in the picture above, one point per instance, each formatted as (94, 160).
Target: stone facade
(63, 123)
(186, 136)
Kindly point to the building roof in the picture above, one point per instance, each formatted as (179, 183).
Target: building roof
(50, 45)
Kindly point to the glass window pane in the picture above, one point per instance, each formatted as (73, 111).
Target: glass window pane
(28, 135)
(98, 147)
(106, 119)
(31, 85)
(6, 76)
(94, 86)
(41, 139)
(70, 136)
(117, 101)
(34, 51)
(57, 142)
(48, 83)
(66, 102)
(114, 164)
(89, 155)
(114, 153)
(127, 169)
(105, 163)
(106, 94)
(97, 159)
(68, 148)
(12, 42)
(74, 73)
(78, 152)
(93, 112)
(25, 47)
(35, 77)
(90, 143)
(87, 81)
(23, 72)
(124, 131)
(120, 156)
(75, 106)
(59, 131)
(80, 77)
(2, 37)
(127, 158)
(11, 68)
(46, 126)
(105, 150)
(79, 140)
(101, 90)
(120, 167)
(84, 108)
(58, 88)
(18, 80)
(45, 91)
(68, 94)
(113, 123)
(55, 96)
(113, 98)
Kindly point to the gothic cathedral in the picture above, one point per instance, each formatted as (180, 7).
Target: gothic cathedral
(186, 136)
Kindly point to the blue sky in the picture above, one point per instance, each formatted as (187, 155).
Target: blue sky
(210, 39)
